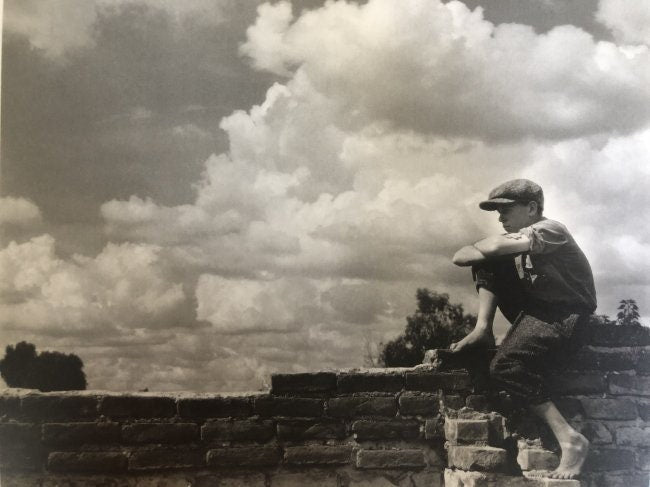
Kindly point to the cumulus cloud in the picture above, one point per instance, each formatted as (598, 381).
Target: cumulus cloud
(628, 21)
(442, 69)
(18, 211)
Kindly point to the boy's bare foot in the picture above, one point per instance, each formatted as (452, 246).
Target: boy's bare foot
(475, 338)
(574, 454)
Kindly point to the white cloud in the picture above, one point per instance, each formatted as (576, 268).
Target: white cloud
(442, 69)
(18, 211)
(627, 20)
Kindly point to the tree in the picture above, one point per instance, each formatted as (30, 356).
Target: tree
(46, 371)
(436, 324)
(628, 313)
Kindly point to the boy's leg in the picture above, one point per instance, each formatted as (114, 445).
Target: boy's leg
(574, 445)
(497, 285)
(520, 367)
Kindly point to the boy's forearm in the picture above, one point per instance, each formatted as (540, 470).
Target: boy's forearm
(468, 255)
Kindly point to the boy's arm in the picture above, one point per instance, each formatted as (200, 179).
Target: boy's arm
(495, 246)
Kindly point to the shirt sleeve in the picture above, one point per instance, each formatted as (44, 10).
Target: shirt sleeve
(545, 236)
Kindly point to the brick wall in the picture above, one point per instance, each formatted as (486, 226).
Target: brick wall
(430, 425)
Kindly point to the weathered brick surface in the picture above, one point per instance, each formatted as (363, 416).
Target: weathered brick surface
(318, 455)
(605, 358)
(571, 382)
(307, 382)
(642, 460)
(633, 436)
(596, 432)
(367, 381)
(618, 479)
(80, 433)
(600, 459)
(618, 336)
(319, 478)
(288, 406)
(418, 404)
(453, 401)
(310, 430)
(390, 459)
(377, 430)
(19, 434)
(642, 365)
(570, 407)
(214, 407)
(262, 456)
(537, 459)
(238, 430)
(228, 479)
(10, 406)
(347, 407)
(459, 431)
(137, 407)
(477, 402)
(21, 457)
(629, 384)
(481, 458)
(459, 478)
(89, 462)
(433, 381)
(643, 406)
(160, 432)
(619, 408)
(162, 459)
(52, 406)
(434, 428)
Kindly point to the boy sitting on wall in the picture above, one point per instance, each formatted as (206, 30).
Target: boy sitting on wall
(542, 283)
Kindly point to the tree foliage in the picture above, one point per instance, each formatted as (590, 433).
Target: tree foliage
(435, 324)
(628, 313)
(23, 367)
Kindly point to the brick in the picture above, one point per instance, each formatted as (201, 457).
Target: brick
(570, 407)
(160, 432)
(320, 478)
(163, 459)
(390, 459)
(263, 456)
(238, 430)
(426, 479)
(477, 402)
(633, 436)
(311, 430)
(381, 430)
(288, 406)
(414, 404)
(642, 460)
(604, 358)
(642, 365)
(215, 407)
(347, 407)
(21, 458)
(370, 382)
(46, 406)
(481, 458)
(569, 382)
(300, 383)
(620, 408)
(19, 434)
(80, 433)
(644, 409)
(629, 384)
(537, 459)
(434, 428)
(87, 462)
(453, 401)
(600, 459)
(137, 407)
(596, 433)
(318, 455)
(433, 381)
(9, 406)
(610, 335)
(228, 479)
(620, 480)
(466, 431)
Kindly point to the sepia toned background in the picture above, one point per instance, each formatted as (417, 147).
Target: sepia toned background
(196, 194)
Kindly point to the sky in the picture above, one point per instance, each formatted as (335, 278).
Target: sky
(197, 194)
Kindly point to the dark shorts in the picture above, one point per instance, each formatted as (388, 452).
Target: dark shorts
(540, 340)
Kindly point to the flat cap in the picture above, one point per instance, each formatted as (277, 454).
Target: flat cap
(514, 191)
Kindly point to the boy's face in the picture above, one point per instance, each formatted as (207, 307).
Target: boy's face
(517, 216)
